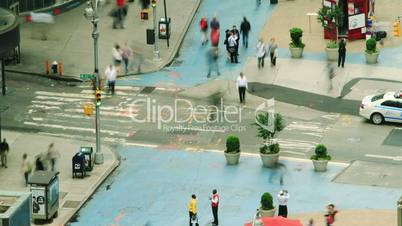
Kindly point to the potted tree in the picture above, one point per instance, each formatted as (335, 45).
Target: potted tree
(296, 46)
(269, 151)
(371, 52)
(267, 208)
(232, 152)
(320, 158)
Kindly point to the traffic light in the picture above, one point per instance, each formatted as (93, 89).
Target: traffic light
(397, 28)
(153, 3)
(98, 97)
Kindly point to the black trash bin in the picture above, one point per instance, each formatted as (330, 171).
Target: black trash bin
(150, 36)
(88, 157)
(79, 165)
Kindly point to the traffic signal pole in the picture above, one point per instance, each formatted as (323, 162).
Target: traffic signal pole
(95, 36)
(157, 56)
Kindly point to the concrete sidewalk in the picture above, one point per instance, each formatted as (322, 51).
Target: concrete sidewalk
(69, 39)
(73, 192)
(173, 175)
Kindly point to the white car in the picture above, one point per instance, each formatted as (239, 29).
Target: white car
(383, 107)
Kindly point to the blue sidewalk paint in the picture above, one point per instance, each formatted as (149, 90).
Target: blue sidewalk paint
(153, 187)
(194, 68)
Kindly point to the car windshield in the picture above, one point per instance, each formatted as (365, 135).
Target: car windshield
(377, 97)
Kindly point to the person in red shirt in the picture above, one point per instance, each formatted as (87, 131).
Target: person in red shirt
(215, 203)
(204, 29)
(120, 13)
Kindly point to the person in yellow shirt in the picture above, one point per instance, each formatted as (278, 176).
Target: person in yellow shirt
(192, 209)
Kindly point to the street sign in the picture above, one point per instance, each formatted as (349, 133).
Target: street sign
(87, 76)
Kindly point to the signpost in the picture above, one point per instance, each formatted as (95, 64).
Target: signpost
(87, 76)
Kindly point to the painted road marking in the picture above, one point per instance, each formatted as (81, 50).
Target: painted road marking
(395, 158)
(92, 130)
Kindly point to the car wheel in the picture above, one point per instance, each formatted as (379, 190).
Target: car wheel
(377, 118)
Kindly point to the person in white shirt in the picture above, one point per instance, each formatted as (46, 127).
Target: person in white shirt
(232, 43)
(111, 74)
(241, 85)
(261, 52)
(283, 198)
(117, 55)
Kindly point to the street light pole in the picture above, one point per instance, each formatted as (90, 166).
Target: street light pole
(92, 13)
(157, 56)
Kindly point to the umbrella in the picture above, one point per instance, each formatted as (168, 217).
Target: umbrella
(277, 221)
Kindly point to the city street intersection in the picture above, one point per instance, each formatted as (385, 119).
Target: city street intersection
(163, 161)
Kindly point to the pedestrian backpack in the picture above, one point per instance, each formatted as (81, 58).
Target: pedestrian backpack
(204, 24)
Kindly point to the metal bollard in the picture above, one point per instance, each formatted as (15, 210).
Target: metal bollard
(399, 211)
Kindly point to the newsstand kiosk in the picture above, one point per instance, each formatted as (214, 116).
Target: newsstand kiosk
(45, 195)
(356, 14)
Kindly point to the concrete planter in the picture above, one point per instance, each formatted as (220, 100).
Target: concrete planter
(320, 165)
(269, 160)
(371, 58)
(332, 54)
(232, 158)
(296, 52)
(268, 213)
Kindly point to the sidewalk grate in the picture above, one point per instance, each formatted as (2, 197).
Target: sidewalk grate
(147, 90)
(394, 138)
(71, 204)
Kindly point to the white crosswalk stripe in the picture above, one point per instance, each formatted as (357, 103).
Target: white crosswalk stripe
(62, 114)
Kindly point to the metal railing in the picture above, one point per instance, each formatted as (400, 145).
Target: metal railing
(28, 5)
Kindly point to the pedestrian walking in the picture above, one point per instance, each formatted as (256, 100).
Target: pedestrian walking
(215, 35)
(226, 43)
(26, 167)
(283, 198)
(4, 148)
(192, 210)
(242, 86)
(117, 55)
(212, 60)
(310, 222)
(111, 74)
(273, 51)
(245, 28)
(127, 54)
(331, 73)
(214, 204)
(232, 44)
(214, 24)
(52, 154)
(236, 33)
(204, 30)
(261, 52)
(330, 215)
(120, 14)
(342, 52)
(40, 162)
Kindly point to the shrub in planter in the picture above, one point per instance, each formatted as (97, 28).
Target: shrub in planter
(371, 52)
(296, 35)
(269, 151)
(232, 144)
(267, 203)
(320, 158)
(321, 153)
(232, 152)
(267, 208)
(371, 46)
(332, 45)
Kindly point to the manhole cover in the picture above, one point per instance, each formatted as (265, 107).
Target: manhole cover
(394, 138)
(147, 90)
(71, 204)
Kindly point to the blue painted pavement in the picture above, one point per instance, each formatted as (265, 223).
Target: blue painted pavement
(193, 55)
(153, 187)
